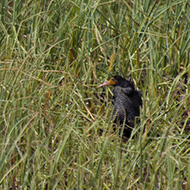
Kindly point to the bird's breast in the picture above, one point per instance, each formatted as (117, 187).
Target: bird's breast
(125, 107)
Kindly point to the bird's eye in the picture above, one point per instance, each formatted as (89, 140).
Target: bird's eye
(112, 81)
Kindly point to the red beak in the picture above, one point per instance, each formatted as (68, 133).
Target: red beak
(104, 84)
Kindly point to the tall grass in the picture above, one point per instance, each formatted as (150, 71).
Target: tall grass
(56, 129)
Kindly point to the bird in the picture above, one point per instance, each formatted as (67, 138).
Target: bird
(127, 102)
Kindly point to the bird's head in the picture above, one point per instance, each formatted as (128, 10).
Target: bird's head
(116, 81)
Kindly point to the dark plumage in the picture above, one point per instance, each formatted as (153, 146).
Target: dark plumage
(127, 102)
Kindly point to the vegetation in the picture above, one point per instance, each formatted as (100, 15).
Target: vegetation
(56, 129)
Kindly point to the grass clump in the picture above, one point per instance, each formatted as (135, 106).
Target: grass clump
(56, 129)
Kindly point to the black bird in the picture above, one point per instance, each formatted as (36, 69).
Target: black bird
(127, 101)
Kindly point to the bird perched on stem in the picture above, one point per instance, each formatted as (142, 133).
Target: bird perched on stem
(127, 102)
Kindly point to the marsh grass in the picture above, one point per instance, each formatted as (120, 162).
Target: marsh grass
(56, 129)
